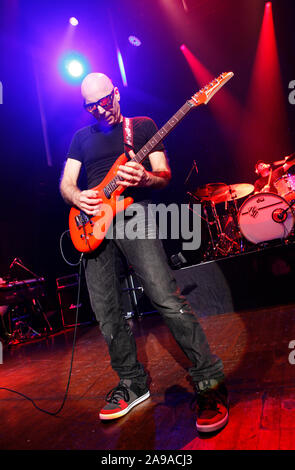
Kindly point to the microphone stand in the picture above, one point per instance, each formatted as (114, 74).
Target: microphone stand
(19, 262)
(191, 170)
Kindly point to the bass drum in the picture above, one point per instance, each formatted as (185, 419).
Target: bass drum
(262, 218)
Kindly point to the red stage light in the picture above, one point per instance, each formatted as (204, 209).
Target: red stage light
(265, 128)
(225, 108)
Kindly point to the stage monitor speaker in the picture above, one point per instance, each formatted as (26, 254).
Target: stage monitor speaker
(67, 292)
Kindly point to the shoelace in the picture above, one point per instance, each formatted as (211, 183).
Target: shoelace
(118, 393)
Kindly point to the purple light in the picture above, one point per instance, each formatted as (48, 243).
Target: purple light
(73, 21)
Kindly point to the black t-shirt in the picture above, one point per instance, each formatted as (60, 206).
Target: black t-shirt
(262, 181)
(98, 150)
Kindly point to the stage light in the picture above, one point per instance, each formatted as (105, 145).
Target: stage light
(223, 106)
(264, 131)
(73, 21)
(121, 67)
(134, 41)
(73, 67)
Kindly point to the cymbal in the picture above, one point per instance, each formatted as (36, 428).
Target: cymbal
(232, 192)
(205, 192)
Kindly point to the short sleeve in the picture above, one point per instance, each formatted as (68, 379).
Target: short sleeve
(150, 130)
(75, 149)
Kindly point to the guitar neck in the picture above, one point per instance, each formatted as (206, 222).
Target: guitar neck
(153, 142)
(162, 133)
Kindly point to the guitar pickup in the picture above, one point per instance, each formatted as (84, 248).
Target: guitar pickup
(82, 219)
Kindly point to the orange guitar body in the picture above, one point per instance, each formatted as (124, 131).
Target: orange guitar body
(87, 232)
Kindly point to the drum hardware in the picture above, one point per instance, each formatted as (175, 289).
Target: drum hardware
(261, 219)
(222, 242)
(222, 245)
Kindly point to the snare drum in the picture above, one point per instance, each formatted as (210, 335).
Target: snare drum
(262, 218)
(285, 185)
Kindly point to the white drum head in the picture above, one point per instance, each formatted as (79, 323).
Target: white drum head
(261, 218)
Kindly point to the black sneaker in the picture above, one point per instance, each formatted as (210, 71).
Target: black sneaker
(212, 405)
(121, 399)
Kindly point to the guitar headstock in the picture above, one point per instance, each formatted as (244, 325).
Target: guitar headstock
(204, 95)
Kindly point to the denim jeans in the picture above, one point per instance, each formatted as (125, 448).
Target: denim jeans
(148, 259)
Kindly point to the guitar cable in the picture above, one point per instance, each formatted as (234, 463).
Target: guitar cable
(55, 413)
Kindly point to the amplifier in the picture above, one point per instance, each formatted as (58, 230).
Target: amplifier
(67, 292)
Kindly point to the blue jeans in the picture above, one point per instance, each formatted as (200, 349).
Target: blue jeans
(148, 259)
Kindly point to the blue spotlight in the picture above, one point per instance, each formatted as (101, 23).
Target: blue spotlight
(135, 41)
(73, 67)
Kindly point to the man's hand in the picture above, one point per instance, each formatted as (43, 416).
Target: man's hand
(88, 201)
(134, 174)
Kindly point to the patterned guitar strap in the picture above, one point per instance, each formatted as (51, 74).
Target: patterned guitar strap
(127, 135)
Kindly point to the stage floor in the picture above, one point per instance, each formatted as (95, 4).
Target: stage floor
(254, 346)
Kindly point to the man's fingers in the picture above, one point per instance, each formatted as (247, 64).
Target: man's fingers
(90, 200)
(90, 210)
(132, 170)
(136, 165)
(90, 193)
(129, 176)
(131, 153)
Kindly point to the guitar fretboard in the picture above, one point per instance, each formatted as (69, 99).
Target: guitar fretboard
(152, 143)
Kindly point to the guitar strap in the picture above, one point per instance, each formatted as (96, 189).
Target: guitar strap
(127, 134)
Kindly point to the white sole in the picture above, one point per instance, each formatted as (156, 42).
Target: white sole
(126, 410)
(213, 427)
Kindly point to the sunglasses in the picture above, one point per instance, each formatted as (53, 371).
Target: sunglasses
(106, 103)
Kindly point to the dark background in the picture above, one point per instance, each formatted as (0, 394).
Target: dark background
(223, 34)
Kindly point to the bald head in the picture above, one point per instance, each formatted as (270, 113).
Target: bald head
(95, 86)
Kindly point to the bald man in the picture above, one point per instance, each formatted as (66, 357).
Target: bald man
(97, 147)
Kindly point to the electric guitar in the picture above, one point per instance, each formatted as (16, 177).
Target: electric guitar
(87, 232)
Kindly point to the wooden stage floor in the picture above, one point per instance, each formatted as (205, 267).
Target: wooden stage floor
(254, 346)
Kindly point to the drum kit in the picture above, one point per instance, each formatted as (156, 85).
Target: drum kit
(237, 220)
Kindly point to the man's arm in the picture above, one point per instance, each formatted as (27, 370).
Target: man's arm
(85, 200)
(135, 174)
(287, 166)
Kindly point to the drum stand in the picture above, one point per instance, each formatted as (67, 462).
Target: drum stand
(224, 245)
